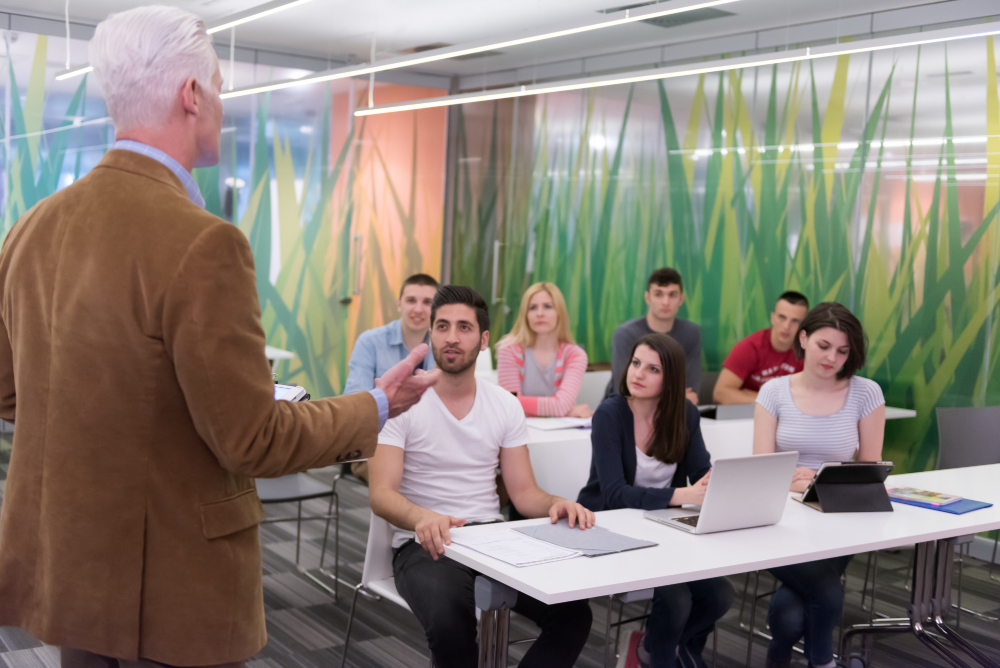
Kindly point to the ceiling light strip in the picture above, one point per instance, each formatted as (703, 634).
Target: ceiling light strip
(258, 12)
(75, 72)
(791, 56)
(445, 53)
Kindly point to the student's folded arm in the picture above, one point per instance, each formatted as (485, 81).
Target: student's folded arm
(608, 446)
(728, 389)
(574, 366)
(361, 367)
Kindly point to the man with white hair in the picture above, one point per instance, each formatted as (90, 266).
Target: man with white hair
(132, 361)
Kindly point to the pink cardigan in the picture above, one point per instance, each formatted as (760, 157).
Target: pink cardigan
(571, 364)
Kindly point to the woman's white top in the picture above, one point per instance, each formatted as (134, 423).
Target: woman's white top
(819, 438)
(651, 472)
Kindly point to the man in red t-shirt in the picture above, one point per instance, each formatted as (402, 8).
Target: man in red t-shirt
(763, 355)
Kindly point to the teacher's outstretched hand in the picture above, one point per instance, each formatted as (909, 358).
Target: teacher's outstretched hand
(402, 387)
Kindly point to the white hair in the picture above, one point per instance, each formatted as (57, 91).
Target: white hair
(143, 56)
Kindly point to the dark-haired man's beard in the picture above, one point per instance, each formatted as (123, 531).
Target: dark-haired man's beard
(461, 362)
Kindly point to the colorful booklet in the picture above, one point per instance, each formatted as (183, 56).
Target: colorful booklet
(922, 496)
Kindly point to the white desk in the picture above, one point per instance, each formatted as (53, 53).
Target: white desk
(802, 535)
(275, 355)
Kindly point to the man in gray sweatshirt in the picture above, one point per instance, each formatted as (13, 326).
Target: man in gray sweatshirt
(664, 296)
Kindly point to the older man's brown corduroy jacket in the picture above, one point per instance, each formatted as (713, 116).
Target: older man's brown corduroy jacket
(132, 363)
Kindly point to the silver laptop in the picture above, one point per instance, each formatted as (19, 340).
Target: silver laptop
(743, 492)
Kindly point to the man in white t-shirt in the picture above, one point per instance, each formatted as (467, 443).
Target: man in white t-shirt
(435, 469)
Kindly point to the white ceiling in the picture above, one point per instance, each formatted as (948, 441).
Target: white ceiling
(333, 29)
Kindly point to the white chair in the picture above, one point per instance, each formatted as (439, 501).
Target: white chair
(376, 575)
(377, 580)
(595, 383)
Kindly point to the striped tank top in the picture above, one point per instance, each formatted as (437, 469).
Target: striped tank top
(823, 438)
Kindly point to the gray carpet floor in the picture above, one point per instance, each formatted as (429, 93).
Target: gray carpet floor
(306, 625)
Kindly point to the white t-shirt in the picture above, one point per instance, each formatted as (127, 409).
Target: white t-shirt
(449, 465)
(651, 472)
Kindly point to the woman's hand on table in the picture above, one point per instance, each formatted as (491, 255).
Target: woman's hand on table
(801, 479)
(580, 411)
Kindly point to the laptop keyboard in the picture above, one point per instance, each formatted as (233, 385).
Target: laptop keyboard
(690, 520)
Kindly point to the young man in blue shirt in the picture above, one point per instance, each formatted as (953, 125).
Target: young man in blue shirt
(377, 350)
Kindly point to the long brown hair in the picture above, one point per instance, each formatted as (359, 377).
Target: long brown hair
(670, 434)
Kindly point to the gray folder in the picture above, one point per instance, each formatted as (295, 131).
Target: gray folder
(592, 542)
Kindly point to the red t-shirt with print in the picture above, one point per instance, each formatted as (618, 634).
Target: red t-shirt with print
(756, 361)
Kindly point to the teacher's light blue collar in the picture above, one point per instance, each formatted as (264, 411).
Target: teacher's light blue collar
(187, 180)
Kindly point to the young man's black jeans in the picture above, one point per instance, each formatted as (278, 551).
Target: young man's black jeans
(441, 595)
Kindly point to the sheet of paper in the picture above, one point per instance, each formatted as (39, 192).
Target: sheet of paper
(551, 424)
(514, 548)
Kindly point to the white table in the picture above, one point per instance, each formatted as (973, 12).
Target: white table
(802, 535)
(275, 355)
(561, 458)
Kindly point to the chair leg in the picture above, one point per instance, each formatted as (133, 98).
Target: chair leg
(743, 599)
(993, 559)
(335, 516)
(336, 551)
(715, 644)
(864, 588)
(753, 616)
(298, 534)
(607, 632)
(618, 629)
(350, 623)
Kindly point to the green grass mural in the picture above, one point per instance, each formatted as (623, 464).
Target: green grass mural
(735, 204)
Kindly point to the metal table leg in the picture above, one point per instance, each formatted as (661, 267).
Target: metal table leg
(930, 598)
(495, 600)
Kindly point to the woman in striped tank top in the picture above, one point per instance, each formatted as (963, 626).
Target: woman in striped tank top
(826, 414)
(538, 360)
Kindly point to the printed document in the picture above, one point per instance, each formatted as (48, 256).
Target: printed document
(514, 548)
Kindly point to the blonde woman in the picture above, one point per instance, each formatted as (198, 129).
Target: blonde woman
(538, 360)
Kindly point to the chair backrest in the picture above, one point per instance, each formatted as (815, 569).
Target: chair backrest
(968, 436)
(484, 362)
(708, 380)
(592, 390)
(378, 553)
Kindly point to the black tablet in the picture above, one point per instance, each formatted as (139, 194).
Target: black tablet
(849, 487)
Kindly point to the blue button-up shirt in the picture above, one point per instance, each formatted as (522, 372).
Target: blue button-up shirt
(187, 180)
(375, 352)
(194, 194)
